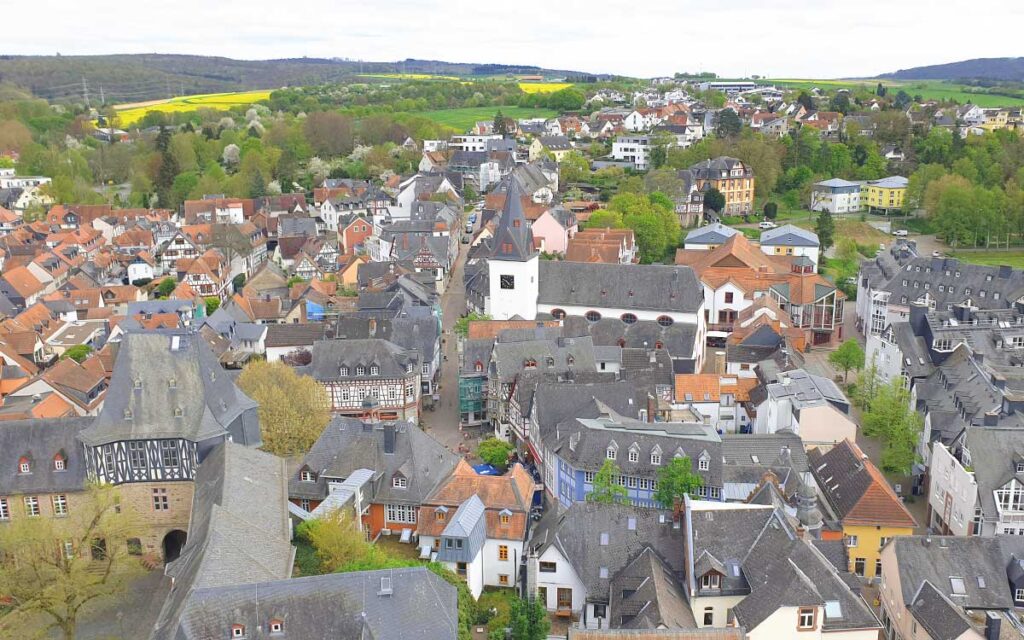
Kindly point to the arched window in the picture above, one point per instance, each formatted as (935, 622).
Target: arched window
(60, 462)
(592, 316)
(628, 318)
(478, 367)
(659, 344)
(276, 626)
(24, 466)
(665, 321)
(621, 342)
(558, 314)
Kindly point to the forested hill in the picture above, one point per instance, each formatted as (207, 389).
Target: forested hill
(130, 78)
(1011, 69)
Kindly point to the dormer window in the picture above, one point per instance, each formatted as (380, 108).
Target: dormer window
(1020, 467)
(360, 370)
(307, 476)
(711, 580)
(634, 453)
(400, 482)
(276, 626)
(178, 412)
(24, 466)
(611, 453)
(127, 414)
(60, 462)
(238, 631)
(505, 518)
(703, 462)
(656, 457)
(138, 383)
(478, 367)
(344, 370)
(374, 370)
(440, 514)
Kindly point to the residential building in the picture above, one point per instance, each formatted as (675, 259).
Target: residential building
(836, 196)
(811, 406)
(633, 150)
(581, 445)
(720, 401)
(949, 587)
(860, 498)
(405, 465)
(708, 237)
(732, 177)
(354, 370)
(609, 246)
(886, 195)
(477, 525)
(791, 240)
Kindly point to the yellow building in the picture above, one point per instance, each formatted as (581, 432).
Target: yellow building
(860, 498)
(996, 119)
(887, 194)
(734, 178)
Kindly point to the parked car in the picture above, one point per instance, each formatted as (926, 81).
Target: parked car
(900, 233)
(767, 224)
(472, 218)
(466, 239)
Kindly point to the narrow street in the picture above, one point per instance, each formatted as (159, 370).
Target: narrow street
(443, 421)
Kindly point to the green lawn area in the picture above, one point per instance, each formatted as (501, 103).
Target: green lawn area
(927, 89)
(1014, 258)
(463, 119)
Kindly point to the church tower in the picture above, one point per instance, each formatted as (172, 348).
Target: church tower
(513, 266)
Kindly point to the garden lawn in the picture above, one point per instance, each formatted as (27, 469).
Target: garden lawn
(466, 117)
(1014, 259)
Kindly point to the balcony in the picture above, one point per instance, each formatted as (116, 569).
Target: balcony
(725, 327)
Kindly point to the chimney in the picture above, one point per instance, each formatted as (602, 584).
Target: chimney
(389, 437)
(962, 312)
(991, 418)
(918, 312)
(993, 624)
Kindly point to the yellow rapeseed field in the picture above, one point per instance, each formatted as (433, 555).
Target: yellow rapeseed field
(543, 87)
(132, 113)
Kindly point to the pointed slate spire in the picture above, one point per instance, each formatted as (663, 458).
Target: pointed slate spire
(513, 239)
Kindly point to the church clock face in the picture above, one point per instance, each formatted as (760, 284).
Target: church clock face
(508, 282)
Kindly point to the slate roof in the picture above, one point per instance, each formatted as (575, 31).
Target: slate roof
(157, 374)
(937, 615)
(855, 489)
(995, 452)
(647, 595)
(348, 444)
(556, 403)
(295, 335)
(577, 533)
(790, 236)
(393, 361)
(342, 605)
(716, 233)
(678, 339)
(775, 449)
(40, 441)
(560, 355)
(584, 442)
(513, 239)
(631, 286)
(239, 532)
(938, 558)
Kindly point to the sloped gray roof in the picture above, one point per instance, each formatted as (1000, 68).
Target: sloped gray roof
(348, 444)
(716, 233)
(155, 375)
(513, 239)
(631, 286)
(421, 606)
(578, 531)
(560, 355)
(790, 236)
(646, 594)
(995, 452)
(392, 360)
(239, 532)
(937, 615)
(40, 441)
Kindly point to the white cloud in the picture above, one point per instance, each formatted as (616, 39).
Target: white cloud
(778, 38)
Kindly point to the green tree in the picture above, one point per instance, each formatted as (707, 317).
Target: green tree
(771, 210)
(714, 200)
(573, 168)
(495, 452)
(78, 353)
(340, 546)
(825, 227)
(653, 221)
(529, 620)
(606, 488)
(293, 409)
(676, 480)
(848, 356)
(500, 124)
(892, 419)
(212, 304)
(51, 568)
(727, 124)
(462, 324)
(166, 287)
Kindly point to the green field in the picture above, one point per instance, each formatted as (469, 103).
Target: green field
(927, 89)
(1014, 259)
(464, 119)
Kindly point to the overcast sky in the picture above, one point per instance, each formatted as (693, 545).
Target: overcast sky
(775, 38)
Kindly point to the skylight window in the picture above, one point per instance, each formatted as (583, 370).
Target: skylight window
(833, 610)
(958, 587)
